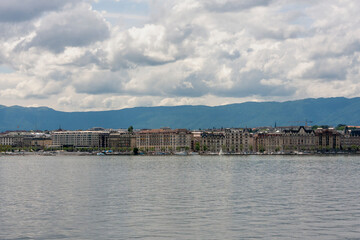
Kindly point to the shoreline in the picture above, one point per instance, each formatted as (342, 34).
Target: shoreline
(172, 154)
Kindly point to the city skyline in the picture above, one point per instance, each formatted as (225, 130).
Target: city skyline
(281, 140)
(112, 54)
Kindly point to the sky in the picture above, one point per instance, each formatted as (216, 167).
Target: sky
(90, 55)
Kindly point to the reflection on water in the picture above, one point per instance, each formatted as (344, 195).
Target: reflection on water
(195, 197)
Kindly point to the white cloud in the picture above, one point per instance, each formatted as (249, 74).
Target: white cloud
(189, 52)
(74, 27)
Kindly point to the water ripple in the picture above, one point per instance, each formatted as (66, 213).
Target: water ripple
(248, 197)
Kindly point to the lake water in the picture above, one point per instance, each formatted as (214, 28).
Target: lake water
(180, 197)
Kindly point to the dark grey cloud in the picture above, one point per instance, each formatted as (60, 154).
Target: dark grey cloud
(344, 49)
(234, 5)
(198, 88)
(243, 85)
(250, 83)
(97, 58)
(22, 10)
(14, 29)
(60, 75)
(131, 58)
(101, 82)
(276, 33)
(328, 70)
(229, 55)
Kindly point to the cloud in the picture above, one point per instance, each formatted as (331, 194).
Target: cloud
(189, 52)
(147, 46)
(15, 30)
(233, 5)
(75, 27)
(23, 10)
(98, 81)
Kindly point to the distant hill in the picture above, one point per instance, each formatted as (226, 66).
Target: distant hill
(331, 111)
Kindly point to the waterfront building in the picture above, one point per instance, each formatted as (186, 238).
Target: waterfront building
(238, 140)
(17, 141)
(196, 140)
(39, 142)
(301, 139)
(95, 139)
(269, 142)
(350, 140)
(25, 139)
(229, 140)
(213, 141)
(328, 139)
(15, 138)
(289, 140)
(163, 140)
(122, 140)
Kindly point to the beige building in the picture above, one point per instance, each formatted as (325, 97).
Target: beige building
(287, 141)
(238, 140)
(268, 142)
(230, 140)
(350, 140)
(26, 139)
(40, 142)
(328, 139)
(299, 140)
(163, 140)
(12, 140)
(97, 139)
(196, 140)
(122, 140)
(213, 141)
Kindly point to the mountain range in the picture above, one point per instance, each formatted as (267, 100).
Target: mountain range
(321, 111)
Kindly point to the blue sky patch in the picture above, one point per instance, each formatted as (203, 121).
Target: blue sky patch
(5, 69)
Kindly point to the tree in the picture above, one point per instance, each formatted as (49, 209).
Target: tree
(354, 148)
(136, 151)
(261, 148)
(340, 127)
(315, 127)
(130, 129)
(241, 147)
(197, 146)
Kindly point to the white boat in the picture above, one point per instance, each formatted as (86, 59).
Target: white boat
(181, 153)
(221, 152)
